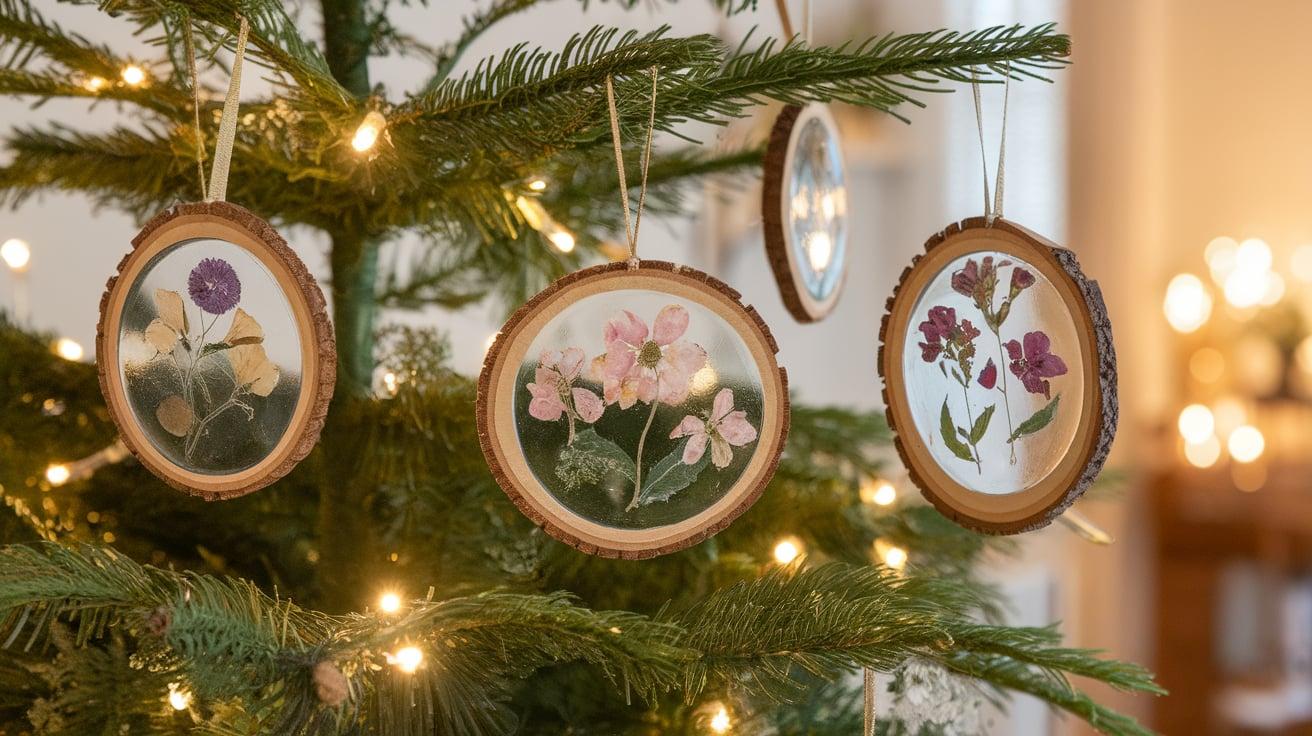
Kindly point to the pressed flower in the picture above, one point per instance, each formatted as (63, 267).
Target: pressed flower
(723, 430)
(1021, 279)
(175, 415)
(1033, 362)
(648, 366)
(170, 326)
(988, 378)
(244, 329)
(978, 280)
(941, 331)
(553, 388)
(213, 286)
(253, 369)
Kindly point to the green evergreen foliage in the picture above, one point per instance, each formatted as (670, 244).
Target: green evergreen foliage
(243, 604)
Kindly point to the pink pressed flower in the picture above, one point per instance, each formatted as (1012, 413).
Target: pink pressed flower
(977, 280)
(553, 388)
(1021, 279)
(637, 367)
(724, 429)
(1034, 363)
(988, 378)
(942, 330)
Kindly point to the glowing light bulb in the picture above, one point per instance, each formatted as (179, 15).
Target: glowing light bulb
(58, 474)
(367, 134)
(562, 239)
(721, 722)
(94, 84)
(391, 383)
(179, 698)
(878, 492)
(538, 185)
(1246, 444)
(787, 551)
(133, 75)
(1187, 305)
(1203, 454)
(1245, 288)
(406, 659)
(1253, 255)
(16, 253)
(1196, 423)
(389, 603)
(819, 250)
(895, 557)
(68, 349)
(1221, 255)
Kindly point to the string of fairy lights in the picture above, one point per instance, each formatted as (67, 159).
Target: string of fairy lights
(408, 657)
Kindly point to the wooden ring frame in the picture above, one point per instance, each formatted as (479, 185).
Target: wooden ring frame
(776, 213)
(500, 441)
(1038, 505)
(236, 225)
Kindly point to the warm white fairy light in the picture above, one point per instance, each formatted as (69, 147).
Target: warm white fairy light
(406, 659)
(133, 75)
(389, 602)
(538, 185)
(1221, 255)
(94, 84)
(562, 239)
(1246, 444)
(68, 349)
(787, 551)
(366, 136)
(1203, 454)
(1196, 423)
(895, 557)
(819, 250)
(721, 722)
(878, 492)
(179, 697)
(539, 219)
(1187, 305)
(58, 474)
(391, 383)
(1253, 255)
(17, 254)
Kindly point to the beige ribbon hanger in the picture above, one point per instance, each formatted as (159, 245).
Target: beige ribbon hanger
(218, 185)
(631, 233)
(993, 209)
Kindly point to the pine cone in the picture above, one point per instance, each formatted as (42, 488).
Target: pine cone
(330, 684)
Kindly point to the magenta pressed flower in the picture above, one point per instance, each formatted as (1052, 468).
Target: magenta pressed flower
(988, 378)
(1032, 363)
(213, 286)
(978, 280)
(1021, 279)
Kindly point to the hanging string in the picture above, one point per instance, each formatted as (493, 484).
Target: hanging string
(807, 18)
(195, 105)
(993, 210)
(228, 123)
(784, 20)
(631, 234)
(869, 709)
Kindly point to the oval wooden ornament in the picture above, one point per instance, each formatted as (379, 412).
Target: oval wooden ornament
(804, 209)
(1030, 336)
(215, 351)
(617, 378)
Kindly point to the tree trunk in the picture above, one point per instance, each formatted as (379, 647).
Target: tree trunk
(348, 548)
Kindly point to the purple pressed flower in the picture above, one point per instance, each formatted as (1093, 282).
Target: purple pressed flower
(213, 286)
(965, 280)
(1021, 280)
(942, 330)
(1034, 363)
(939, 324)
(988, 378)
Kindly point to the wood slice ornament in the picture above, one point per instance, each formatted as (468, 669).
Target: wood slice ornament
(999, 376)
(804, 209)
(215, 351)
(633, 411)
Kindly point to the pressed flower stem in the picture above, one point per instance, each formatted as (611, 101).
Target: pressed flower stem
(200, 428)
(1006, 399)
(970, 422)
(637, 467)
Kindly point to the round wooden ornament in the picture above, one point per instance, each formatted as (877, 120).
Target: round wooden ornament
(804, 208)
(632, 410)
(999, 376)
(215, 351)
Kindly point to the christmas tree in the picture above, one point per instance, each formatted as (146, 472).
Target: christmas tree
(127, 607)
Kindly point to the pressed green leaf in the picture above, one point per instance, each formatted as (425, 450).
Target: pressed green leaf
(948, 430)
(1037, 421)
(981, 424)
(670, 476)
(214, 347)
(603, 449)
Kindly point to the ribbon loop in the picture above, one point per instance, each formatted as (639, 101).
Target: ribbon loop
(218, 188)
(993, 209)
(631, 233)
